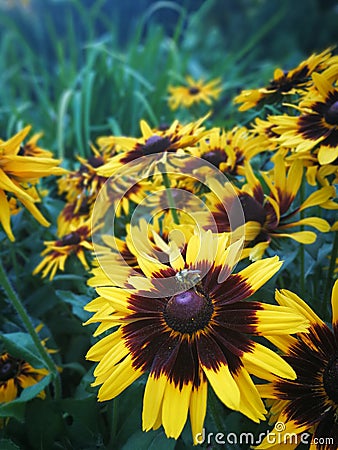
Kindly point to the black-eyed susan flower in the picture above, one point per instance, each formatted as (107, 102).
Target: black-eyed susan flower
(229, 150)
(15, 375)
(286, 82)
(18, 176)
(316, 128)
(155, 143)
(31, 148)
(187, 330)
(308, 404)
(271, 216)
(195, 91)
(57, 252)
(83, 184)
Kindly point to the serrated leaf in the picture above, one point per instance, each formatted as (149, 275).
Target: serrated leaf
(22, 346)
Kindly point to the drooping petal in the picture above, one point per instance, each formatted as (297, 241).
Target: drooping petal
(122, 376)
(268, 362)
(152, 400)
(250, 402)
(177, 400)
(198, 408)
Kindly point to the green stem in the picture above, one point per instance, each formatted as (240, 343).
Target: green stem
(171, 201)
(329, 280)
(20, 309)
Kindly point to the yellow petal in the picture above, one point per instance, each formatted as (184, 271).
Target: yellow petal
(315, 222)
(323, 86)
(251, 404)
(103, 346)
(198, 409)
(303, 237)
(259, 272)
(12, 146)
(122, 377)
(224, 386)
(275, 320)
(268, 361)
(5, 215)
(327, 155)
(318, 197)
(152, 400)
(285, 297)
(334, 303)
(175, 400)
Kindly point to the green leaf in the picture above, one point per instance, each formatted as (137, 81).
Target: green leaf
(22, 346)
(16, 408)
(76, 301)
(7, 444)
(151, 440)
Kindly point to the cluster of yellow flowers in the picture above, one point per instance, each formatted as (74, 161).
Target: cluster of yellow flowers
(190, 204)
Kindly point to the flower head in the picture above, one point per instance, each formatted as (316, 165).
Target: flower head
(57, 252)
(20, 171)
(187, 324)
(15, 375)
(310, 402)
(316, 128)
(286, 82)
(269, 217)
(154, 143)
(194, 92)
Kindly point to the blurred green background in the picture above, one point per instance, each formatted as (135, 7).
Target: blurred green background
(80, 69)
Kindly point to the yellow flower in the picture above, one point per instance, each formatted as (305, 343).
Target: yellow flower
(57, 252)
(155, 144)
(15, 375)
(316, 129)
(196, 91)
(269, 217)
(18, 175)
(286, 82)
(309, 403)
(187, 330)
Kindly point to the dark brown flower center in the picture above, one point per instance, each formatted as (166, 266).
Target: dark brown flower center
(253, 211)
(8, 368)
(194, 90)
(188, 312)
(95, 161)
(156, 144)
(215, 157)
(331, 115)
(72, 238)
(330, 379)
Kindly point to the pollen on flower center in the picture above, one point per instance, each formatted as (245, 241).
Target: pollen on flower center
(156, 144)
(330, 379)
(8, 369)
(188, 312)
(331, 115)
